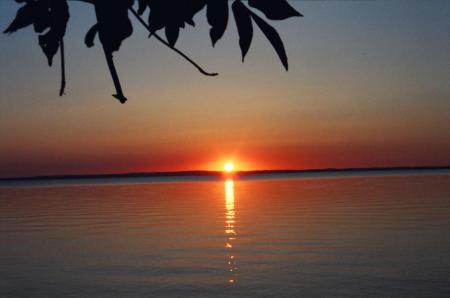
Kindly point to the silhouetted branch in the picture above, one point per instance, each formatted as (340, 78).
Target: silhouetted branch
(114, 76)
(138, 17)
(63, 68)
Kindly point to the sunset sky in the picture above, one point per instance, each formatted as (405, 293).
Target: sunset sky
(369, 85)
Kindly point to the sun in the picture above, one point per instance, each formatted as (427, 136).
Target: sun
(228, 167)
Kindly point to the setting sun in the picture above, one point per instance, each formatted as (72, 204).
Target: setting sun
(228, 167)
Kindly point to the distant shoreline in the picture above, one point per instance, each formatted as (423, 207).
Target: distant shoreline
(220, 174)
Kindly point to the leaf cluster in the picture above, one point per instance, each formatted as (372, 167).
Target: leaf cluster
(49, 19)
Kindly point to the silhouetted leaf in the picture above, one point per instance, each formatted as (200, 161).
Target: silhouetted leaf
(172, 34)
(142, 6)
(42, 15)
(90, 36)
(50, 15)
(173, 15)
(217, 14)
(114, 25)
(49, 44)
(275, 9)
(57, 20)
(274, 38)
(24, 18)
(244, 26)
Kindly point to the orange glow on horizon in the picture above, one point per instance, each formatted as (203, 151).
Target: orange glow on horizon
(228, 163)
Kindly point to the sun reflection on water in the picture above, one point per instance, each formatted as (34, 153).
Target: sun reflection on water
(230, 221)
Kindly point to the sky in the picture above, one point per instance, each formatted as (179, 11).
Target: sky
(368, 86)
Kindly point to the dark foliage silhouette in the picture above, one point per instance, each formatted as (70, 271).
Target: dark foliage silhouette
(49, 19)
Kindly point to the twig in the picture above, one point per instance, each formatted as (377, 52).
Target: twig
(115, 76)
(63, 68)
(153, 33)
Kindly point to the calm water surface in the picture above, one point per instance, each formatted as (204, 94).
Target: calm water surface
(385, 236)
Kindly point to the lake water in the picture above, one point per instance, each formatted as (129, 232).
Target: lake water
(339, 236)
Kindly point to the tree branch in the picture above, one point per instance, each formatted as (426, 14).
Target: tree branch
(115, 76)
(152, 33)
(159, 38)
(63, 68)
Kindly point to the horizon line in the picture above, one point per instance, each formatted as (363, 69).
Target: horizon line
(220, 173)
